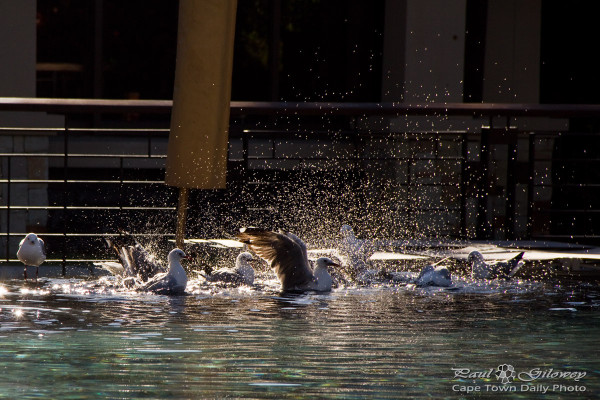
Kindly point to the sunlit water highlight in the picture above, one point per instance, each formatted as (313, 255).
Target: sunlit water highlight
(78, 339)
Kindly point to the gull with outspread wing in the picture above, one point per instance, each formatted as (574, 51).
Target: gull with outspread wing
(286, 253)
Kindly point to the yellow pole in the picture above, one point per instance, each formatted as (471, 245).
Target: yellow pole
(198, 141)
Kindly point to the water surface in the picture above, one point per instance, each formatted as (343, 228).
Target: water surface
(78, 339)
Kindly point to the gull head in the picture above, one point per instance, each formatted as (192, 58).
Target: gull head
(347, 232)
(444, 273)
(325, 262)
(243, 259)
(438, 276)
(475, 256)
(31, 238)
(176, 255)
(426, 270)
(243, 264)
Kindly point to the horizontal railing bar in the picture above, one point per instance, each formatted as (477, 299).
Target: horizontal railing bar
(567, 159)
(140, 156)
(332, 160)
(586, 185)
(54, 105)
(83, 155)
(60, 260)
(407, 109)
(12, 130)
(250, 157)
(84, 130)
(127, 182)
(120, 130)
(128, 208)
(567, 236)
(566, 211)
(358, 131)
(71, 234)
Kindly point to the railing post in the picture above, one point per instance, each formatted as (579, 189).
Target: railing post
(530, 184)
(511, 184)
(483, 185)
(463, 185)
(8, 200)
(65, 196)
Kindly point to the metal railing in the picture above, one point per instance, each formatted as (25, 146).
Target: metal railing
(364, 163)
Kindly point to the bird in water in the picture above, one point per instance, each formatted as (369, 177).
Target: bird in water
(136, 260)
(352, 251)
(241, 274)
(286, 253)
(32, 252)
(173, 281)
(140, 271)
(505, 269)
(432, 275)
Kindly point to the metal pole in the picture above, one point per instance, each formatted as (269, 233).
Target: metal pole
(181, 217)
(484, 186)
(65, 193)
(8, 211)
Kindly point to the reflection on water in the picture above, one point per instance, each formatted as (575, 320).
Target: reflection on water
(87, 339)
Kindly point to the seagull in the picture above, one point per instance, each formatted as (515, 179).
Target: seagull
(353, 251)
(481, 270)
(141, 271)
(173, 281)
(286, 253)
(434, 276)
(242, 273)
(136, 261)
(32, 252)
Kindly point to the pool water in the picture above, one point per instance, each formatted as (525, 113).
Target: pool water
(79, 339)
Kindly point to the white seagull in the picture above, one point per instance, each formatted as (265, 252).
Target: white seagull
(140, 271)
(434, 276)
(353, 251)
(482, 270)
(286, 253)
(32, 252)
(173, 281)
(136, 261)
(241, 274)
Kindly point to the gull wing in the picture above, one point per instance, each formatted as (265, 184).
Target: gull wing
(299, 242)
(43, 247)
(114, 268)
(283, 253)
(162, 284)
(227, 275)
(144, 263)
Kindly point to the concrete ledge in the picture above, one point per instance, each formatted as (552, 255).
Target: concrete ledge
(15, 271)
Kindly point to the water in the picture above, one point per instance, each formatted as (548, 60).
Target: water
(79, 339)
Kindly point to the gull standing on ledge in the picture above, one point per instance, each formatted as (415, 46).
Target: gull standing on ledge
(286, 253)
(32, 252)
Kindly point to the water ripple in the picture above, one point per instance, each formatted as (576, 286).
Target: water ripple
(90, 339)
